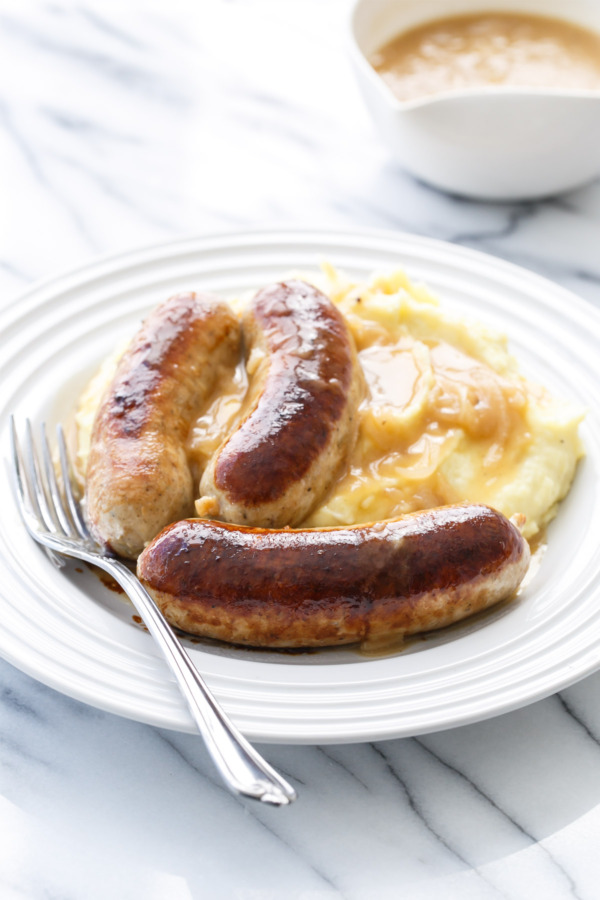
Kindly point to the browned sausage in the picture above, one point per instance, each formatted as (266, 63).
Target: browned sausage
(301, 422)
(325, 586)
(138, 478)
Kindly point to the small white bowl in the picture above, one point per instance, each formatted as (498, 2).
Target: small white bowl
(496, 143)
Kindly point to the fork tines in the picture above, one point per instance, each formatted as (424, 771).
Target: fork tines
(44, 506)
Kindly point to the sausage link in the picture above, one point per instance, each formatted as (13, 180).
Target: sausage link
(326, 586)
(301, 422)
(138, 478)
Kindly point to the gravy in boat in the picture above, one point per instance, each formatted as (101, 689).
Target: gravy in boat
(489, 50)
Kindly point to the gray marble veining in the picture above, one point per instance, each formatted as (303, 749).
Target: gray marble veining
(124, 125)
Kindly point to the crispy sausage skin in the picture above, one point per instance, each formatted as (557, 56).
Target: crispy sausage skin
(319, 587)
(138, 478)
(301, 420)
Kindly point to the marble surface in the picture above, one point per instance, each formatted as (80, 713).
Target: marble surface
(123, 124)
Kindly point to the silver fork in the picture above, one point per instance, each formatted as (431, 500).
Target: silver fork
(59, 525)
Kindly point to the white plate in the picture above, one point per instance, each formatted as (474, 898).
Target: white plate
(75, 635)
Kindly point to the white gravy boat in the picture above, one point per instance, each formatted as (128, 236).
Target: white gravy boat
(498, 143)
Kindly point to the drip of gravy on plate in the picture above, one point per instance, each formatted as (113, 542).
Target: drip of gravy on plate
(490, 50)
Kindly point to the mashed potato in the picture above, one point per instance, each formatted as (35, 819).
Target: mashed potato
(446, 417)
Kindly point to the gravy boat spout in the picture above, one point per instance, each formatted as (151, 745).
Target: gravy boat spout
(497, 143)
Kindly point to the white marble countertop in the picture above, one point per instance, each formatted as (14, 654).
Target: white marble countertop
(127, 124)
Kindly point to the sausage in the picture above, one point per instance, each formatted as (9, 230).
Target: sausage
(301, 421)
(138, 478)
(326, 586)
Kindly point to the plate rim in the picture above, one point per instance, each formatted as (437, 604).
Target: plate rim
(20, 306)
(99, 260)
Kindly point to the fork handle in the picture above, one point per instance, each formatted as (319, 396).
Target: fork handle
(243, 769)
